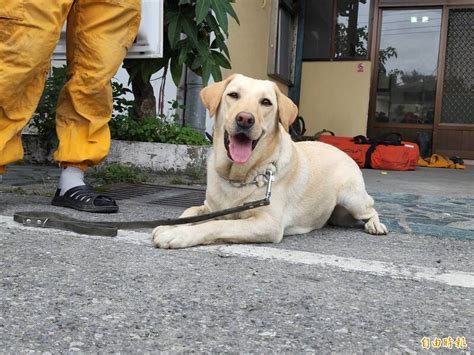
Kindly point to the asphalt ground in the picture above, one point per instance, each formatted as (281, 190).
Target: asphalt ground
(333, 290)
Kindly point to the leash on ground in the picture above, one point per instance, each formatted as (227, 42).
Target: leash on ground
(55, 220)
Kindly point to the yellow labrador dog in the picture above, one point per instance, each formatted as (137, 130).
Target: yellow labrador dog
(315, 183)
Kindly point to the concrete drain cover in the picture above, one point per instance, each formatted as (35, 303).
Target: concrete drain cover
(158, 194)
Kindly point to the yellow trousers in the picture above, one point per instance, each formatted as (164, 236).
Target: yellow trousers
(99, 32)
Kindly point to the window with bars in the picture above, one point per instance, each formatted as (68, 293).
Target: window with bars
(458, 87)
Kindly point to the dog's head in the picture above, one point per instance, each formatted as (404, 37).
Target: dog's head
(247, 112)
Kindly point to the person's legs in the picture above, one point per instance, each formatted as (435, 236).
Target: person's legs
(98, 36)
(29, 31)
(99, 33)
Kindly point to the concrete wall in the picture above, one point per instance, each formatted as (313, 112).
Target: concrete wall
(335, 96)
(248, 43)
(158, 157)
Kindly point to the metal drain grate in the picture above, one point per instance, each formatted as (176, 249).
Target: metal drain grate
(194, 198)
(165, 195)
(128, 191)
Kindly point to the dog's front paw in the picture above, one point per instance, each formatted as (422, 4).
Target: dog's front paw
(375, 227)
(174, 237)
(160, 230)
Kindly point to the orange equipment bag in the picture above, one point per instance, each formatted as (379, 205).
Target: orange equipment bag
(347, 145)
(395, 157)
(386, 152)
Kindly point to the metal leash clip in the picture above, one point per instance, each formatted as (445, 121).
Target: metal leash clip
(270, 178)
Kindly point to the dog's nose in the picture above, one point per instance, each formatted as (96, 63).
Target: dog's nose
(245, 120)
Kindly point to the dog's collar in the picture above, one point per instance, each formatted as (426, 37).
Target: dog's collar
(268, 180)
(259, 180)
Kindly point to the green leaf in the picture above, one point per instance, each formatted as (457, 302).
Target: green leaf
(197, 63)
(176, 70)
(221, 14)
(202, 9)
(216, 73)
(230, 11)
(203, 49)
(220, 60)
(222, 46)
(174, 29)
(183, 55)
(206, 72)
(189, 28)
(184, 2)
(212, 22)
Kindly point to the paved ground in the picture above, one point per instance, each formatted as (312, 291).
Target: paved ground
(333, 290)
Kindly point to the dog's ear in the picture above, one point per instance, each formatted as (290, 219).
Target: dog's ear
(287, 110)
(211, 95)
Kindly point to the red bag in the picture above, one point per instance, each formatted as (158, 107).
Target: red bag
(395, 157)
(387, 152)
(347, 145)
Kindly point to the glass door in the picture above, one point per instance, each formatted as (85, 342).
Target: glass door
(423, 84)
(407, 66)
(404, 88)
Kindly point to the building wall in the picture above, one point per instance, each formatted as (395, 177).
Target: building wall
(335, 96)
(248, 43)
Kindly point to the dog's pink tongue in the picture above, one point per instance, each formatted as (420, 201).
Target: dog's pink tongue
(240, 149)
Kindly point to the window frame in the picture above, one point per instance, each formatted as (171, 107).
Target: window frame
(332, 48)
(273, 48)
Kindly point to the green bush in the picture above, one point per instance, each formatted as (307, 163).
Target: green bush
(154, 130)
(176, 134)
(115, 173)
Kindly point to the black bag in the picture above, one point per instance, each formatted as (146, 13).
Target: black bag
(297, 128)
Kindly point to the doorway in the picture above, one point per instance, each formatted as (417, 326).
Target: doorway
(423, 83)
(454, 122)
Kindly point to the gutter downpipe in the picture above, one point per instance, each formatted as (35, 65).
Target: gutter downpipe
(194, 111)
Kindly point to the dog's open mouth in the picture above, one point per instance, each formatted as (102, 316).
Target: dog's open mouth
(239, 147)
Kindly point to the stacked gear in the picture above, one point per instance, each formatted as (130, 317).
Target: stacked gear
(99, 32)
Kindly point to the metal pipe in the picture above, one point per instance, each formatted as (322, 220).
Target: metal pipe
(194, 112)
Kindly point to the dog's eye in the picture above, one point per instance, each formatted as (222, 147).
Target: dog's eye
(266, 102)
(233, 94)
